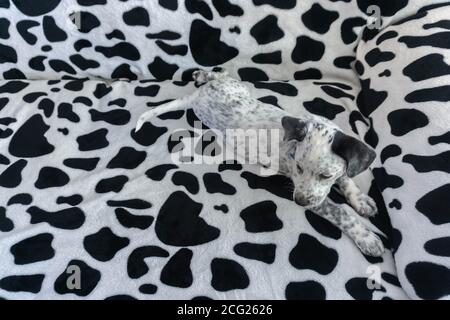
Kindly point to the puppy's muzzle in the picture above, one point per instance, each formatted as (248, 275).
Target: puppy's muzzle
(307, 201)
(302, 200)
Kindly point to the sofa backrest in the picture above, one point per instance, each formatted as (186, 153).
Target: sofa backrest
(166, 39)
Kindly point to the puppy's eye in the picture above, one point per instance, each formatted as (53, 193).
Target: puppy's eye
(325, 176)
(299, 169)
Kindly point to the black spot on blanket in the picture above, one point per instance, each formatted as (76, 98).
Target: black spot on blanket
(67, 283)
(177, 272)
(307, 49)
(310, 253)
(72, 200)
(33, 9)
(122, 49)
(127, 158)
(52, 32)
(205, 39)
(438, 94)
(267, 30)
(307, 290)
(439, 162)
(228, 275)
(6, 224)
(68, 219)
(359, 290)
(434, 205)
(22, 283)
(189, 181)
(427, 67)
(403, 121)
(129, 220)
(255, 251)
(136, 266)
(20, 198)
(214, 184)
(33, 249)
(29, 140)
(390, 151)
(159, 172)
(86, 164)
(429, 280)
(137, 17)
(50, 177)
(261, 217)
(319, 19)
(104, 244)
(183, 227)
(93, 141)
(113, 184)
(11, 177)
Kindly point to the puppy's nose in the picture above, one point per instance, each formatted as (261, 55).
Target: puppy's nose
(301, 201)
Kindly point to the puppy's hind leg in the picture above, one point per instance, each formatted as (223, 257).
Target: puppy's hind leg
(201, 76)
(179, 104)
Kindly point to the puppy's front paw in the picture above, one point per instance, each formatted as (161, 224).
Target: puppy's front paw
(364, 205)
(370, 245)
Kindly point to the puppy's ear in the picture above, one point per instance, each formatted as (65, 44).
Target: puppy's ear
(357, 154)
(294, 129)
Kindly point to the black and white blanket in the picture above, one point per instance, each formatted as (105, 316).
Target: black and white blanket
(411, 130)
(89, 209)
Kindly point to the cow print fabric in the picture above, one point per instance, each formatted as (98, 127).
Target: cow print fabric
(81, 191)
(410, 131)
(80, 188)
(256, 40)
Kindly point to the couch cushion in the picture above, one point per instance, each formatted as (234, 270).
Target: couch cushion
(80, 190)
(256, 40)
(405, 76)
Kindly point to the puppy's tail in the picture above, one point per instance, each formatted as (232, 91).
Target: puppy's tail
(143, 118)
(167, 107)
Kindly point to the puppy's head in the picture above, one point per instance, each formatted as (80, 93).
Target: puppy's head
(319, 155)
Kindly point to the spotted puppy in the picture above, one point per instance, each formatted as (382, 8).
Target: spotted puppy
(313, 151)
